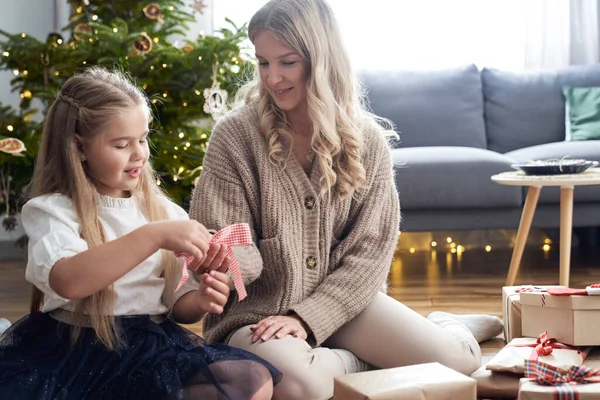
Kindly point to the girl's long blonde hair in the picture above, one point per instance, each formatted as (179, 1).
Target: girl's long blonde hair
(85, 106)
(335, 98)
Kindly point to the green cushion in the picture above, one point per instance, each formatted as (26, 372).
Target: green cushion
(583, 112)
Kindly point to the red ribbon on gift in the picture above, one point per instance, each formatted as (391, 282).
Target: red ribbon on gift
(232, 235)
(530, 289)
(549, 375)
(544, 346)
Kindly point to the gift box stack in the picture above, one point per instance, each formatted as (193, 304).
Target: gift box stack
(553, 336)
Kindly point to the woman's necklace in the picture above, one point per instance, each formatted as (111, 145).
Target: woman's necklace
(310, 156)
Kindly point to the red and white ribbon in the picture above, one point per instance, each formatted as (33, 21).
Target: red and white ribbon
(232, 235)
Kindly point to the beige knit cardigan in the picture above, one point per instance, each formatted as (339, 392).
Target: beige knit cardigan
(322, 259)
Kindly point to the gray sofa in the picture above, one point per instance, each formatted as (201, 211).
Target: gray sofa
(460, 126)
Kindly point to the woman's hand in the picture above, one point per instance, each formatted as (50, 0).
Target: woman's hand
(215, 258)
(279, 326)
(213, 293)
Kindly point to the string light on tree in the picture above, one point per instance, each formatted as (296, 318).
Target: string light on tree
(159, 66)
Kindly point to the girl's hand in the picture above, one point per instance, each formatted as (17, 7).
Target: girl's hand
(216, 258)
(279, 326)
(214, 292)
(186, 236)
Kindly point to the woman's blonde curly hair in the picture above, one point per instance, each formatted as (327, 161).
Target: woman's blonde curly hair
(335, 98)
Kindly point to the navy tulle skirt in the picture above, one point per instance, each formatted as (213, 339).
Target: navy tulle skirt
(159, 361)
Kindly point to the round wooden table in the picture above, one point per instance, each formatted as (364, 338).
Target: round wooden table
(535, 183)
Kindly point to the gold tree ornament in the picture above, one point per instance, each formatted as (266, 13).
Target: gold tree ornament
(199, 6)
(12, 146)
(187, 48)
(153, 12)
(79, 28)
(143, 45)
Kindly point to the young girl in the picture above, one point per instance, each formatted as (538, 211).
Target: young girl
(96, 222)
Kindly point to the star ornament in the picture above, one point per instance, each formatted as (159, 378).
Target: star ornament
(199, 6)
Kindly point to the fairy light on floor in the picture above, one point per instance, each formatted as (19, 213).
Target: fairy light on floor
(546, 247)
(459, 252)
(458, 243)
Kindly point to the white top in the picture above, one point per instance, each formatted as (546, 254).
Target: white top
(519, 178)
(52, 225)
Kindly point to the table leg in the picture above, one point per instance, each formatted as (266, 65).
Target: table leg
(533, 193)
(566, 228)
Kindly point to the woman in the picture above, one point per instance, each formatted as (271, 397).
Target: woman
(310, 170)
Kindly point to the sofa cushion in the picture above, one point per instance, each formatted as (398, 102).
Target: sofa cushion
(452, 177)
(589, 150)
(583, 112)
(524, 109)
(430, 108)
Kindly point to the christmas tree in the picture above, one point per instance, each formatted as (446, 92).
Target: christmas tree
(186, 79)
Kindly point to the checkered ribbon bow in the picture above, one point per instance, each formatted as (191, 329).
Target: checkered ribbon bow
(549, 375)
(232, 235)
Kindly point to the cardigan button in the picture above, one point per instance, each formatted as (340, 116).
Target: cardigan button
(311, 262)
(309, 202)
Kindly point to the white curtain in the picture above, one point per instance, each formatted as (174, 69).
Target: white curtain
(585, 43)
(507, 34)
(561, 33)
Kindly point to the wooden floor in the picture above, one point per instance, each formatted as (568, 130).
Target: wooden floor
(425, 281)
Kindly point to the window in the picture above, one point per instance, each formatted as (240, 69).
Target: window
(383, 34)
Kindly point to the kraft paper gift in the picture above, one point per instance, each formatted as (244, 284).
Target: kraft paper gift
(431, 381)
(511, 309)
(573, 320)
(545, 382)
(496, 384)
(512, 357)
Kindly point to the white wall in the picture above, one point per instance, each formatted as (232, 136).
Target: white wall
(34, 17)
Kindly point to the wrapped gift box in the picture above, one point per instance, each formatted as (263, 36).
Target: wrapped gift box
(431, 381)
(573, 320)
(512, 357)
(511, 309)
(529, 390)
(491, 384)
(496, 384)
(543, 381)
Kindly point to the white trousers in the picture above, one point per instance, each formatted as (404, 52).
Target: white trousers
(386, 334)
